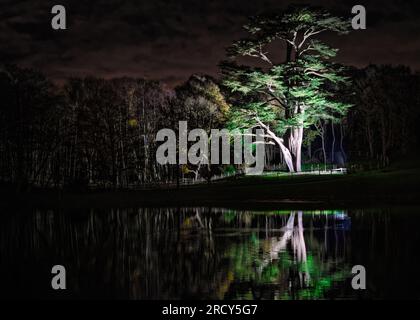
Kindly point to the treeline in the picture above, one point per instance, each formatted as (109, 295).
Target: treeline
(383, 124)
(101, 133)
(380, 127)
(94, 132)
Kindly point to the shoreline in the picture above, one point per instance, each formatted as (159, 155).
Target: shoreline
(312, 192)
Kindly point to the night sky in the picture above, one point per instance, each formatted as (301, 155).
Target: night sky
(170, 40)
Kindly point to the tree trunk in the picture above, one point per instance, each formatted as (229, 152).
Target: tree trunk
(333, 142)
(310, 151)
(286, 153)
(323, 150)
(295, 145)
(178, 173)
(369, 138)
(341, 143)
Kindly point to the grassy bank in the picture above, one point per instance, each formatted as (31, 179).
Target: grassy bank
(394, 186)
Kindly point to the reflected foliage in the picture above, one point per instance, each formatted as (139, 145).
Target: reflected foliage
(208, 253)
(177, 253)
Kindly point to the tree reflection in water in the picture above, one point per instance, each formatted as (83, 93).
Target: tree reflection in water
(174, 253)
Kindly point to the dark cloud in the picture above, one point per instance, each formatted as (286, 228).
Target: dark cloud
(169, 40)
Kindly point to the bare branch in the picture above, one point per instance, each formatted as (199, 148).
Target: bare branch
(308, 35)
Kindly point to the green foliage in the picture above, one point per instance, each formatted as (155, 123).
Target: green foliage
(229, 216)
(201, 103)
(321, 273)
(229, 169)
(296, 92)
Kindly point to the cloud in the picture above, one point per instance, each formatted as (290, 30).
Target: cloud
(168, 40)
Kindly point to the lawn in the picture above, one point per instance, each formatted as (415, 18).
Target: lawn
(394, 186)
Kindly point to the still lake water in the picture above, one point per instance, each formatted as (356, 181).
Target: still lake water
(209, 253)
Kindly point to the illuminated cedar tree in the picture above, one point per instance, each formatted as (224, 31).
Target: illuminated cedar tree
(284, 98)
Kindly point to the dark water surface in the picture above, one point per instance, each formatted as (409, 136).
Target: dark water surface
(209, 253)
